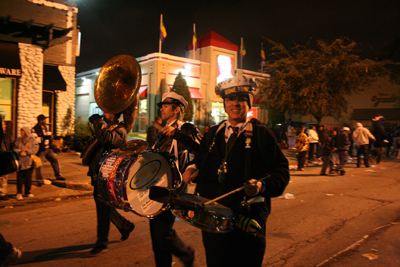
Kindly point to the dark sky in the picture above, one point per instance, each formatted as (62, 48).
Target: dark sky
(114, 27)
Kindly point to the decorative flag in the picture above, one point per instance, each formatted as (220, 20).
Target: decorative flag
(242, 50)
(262, 55)
(163, 31)
(194, 41)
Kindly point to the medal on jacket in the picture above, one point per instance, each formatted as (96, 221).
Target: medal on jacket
(221, 172)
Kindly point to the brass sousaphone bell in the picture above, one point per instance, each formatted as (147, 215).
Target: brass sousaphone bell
(117, 88)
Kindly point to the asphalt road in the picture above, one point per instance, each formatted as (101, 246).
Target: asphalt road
(331, 221)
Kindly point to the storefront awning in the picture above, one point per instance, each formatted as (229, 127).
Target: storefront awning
(143, 91)
(52, 79)
(370, 113)
(195, 94)
(9, 59)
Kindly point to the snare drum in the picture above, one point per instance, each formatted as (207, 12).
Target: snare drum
(214, 217)
(125, 178)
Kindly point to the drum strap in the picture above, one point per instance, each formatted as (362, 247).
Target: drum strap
(174, 146)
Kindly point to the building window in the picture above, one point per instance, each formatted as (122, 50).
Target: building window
(143, 114)
(94, 109)
(7, 104)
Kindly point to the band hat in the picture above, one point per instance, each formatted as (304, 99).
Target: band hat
(41, 117)
(235, 85)
(173, 98)
(346, 129)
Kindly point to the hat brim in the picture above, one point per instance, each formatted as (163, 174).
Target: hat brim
(174, 101)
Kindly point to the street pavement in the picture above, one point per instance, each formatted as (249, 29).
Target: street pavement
(77, 184)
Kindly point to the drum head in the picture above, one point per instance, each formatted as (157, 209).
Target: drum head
(149, 169)
(133, 147)
(214, 218)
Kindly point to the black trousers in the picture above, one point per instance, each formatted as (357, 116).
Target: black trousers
(234, 249)
(105, 215)
(5, 248)
(24, 177)
(165, 241)
(363, 150)
(52, 158)
(301, 159)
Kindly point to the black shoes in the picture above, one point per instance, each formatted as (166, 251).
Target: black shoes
(323, 174)
(96, 251)
(60, 178)
(4, 197)
(125, 236)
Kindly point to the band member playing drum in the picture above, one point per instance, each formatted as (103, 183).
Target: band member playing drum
(111, 134)
(179, 139)
(234, 153)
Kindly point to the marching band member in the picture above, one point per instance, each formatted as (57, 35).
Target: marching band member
(111, 134)
(179, 139)
(234, 153)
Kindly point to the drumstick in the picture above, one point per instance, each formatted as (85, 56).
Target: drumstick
(233, 191)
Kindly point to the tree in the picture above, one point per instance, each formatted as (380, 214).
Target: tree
(315, 81)
(180, 87)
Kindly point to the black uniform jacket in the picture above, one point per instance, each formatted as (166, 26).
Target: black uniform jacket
(265, 158)
(110, 136)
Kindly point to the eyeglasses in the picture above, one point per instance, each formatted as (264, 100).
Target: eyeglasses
(230, 99)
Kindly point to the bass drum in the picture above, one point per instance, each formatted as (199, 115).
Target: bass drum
(126, 175)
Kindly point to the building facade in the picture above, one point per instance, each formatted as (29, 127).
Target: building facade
(213, 61)
(38, 47)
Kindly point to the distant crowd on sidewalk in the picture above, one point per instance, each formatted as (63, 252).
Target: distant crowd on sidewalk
(332, 149)
(33, 146)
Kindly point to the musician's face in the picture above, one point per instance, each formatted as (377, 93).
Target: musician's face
(236, 107)
(168, 113)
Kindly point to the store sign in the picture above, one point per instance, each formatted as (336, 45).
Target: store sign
(252, 113)
(225, 68)
(385, 99)
(10, 72)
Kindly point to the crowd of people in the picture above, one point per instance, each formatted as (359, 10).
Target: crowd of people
(334, 148)
(33, 146)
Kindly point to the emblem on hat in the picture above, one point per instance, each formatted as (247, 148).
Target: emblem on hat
(235, 85)
(173, 98)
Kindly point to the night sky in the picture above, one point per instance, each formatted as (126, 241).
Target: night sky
(114, 27)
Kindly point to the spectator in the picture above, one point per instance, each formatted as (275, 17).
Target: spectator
(301, 147)
(327, 153)
(313, 140)
(45, 152)
(25, 146)
(205, 129)
(342, 145)
(291, 136)
(153, 130)
(380, 136)
(361, 138)
(322, 139)
(5, 144)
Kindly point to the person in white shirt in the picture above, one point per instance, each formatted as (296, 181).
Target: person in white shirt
(361, 137)
(313, 142)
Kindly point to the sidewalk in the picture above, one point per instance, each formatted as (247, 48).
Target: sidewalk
(77, 183)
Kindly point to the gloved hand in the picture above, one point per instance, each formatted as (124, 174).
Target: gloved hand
(94, 118)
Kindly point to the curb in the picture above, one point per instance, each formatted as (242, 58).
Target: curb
(73, 185)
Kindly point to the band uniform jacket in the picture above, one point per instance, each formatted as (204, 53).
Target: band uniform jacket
(110, 136)
(188, 137)
(266, 158)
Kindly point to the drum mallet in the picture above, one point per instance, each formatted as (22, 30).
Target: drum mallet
(233, 191)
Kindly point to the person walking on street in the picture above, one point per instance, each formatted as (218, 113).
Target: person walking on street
(321, 140)
(153, 130)
(45, 141)
(25, 146)
(111, 134)
(302, 148)
(342, 145)
(361, 138)
(327, 152)
(313, 143)
(178, 138)
(239, 152)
